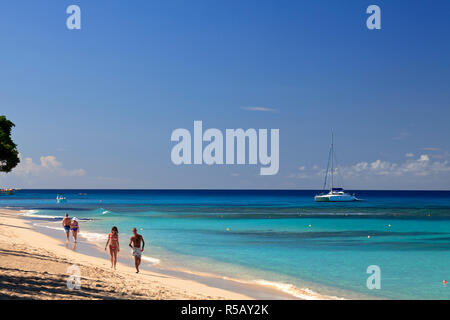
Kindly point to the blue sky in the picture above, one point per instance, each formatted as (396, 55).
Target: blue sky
(95, 108)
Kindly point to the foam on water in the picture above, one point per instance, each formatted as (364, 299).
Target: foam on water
(89, 236)
(94, 236)
(153, 261)
(46, 226)
(301, 293)
(33, 214)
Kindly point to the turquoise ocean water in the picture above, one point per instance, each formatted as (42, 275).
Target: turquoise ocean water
(281, 238)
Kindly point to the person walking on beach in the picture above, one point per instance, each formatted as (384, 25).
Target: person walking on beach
(75, 228)
(66, 225)
(113, 241)
(135, 244)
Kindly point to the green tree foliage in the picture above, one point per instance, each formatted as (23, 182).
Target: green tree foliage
(9, 156)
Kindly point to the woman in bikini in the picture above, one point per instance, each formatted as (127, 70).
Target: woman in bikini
(75, 228)
(113, 241)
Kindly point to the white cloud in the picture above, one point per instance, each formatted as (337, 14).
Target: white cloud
(303, 174)
(402, 135)
(419, 167)
(431, 149)
(409, 155)
(48, 166)
(261, 109)
(298, 175)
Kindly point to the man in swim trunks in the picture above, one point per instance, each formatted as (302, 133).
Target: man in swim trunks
(66, 225)
(136, 240)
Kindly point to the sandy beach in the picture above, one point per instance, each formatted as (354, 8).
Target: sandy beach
(34, 266)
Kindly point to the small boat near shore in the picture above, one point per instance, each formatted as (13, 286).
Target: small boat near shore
(334, 194)
(61, 198)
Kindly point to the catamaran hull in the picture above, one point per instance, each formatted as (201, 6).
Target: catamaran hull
(334, 198)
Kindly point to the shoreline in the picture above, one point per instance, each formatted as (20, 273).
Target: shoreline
(256, 288)
(31, 271)
(160, 284)
(94, 248)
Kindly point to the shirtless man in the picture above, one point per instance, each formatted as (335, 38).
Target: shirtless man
(136, 240)
(66, 225)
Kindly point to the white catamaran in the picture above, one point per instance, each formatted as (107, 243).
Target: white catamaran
(335, 194)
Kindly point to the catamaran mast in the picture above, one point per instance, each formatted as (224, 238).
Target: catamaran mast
(332, 164)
